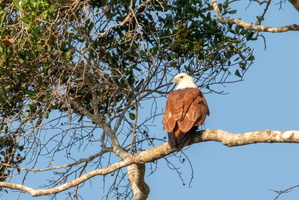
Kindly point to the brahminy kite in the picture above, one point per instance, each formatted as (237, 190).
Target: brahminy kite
(186, 109)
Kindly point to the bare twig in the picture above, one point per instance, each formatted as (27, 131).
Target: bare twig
(280, 192)
(82, 160)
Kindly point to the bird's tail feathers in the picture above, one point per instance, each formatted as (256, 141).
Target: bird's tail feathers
(177, 138)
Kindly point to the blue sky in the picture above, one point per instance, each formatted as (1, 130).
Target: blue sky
(266, 99)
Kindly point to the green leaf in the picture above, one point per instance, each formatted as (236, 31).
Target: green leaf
(51, 10)
(25, 19)
(2, 17)
(251, 57)
(132, 116)
(23, 114)
(29, 92)
(237, 29)
(237, 73)
(17, 4)
(249, 35)
(242, 65)
(232, 12)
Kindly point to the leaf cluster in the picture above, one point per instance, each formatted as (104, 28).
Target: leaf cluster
(108, 57)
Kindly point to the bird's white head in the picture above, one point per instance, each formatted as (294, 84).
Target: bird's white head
(183, 80)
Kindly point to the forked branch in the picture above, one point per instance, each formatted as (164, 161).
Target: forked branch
(150, 155)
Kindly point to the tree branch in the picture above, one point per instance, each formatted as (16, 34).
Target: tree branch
(280, 192)
(67, 185)
(295, 3)
(142, 157)
(82, 160)
(293, 27)
(136, 173)
(230, 139)
(117, 149)
(150, 155)
(127, 19)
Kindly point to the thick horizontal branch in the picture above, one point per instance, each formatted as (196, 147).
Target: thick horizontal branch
(150, 155)
(292, 27)
(230, 139)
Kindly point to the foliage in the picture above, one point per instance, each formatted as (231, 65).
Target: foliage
(104, 58)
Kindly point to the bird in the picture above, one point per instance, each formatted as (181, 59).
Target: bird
(186, 109)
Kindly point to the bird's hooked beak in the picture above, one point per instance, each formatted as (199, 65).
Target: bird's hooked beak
(175, 81)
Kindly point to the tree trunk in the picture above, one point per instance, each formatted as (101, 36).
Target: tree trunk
(136, 174)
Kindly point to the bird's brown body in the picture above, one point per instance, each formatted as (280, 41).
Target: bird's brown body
(185, 110)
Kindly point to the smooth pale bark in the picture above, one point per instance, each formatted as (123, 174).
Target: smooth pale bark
(136, 163)
(136, 174)
(220, 19)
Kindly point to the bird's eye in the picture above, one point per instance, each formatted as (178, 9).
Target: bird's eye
(181, 76)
